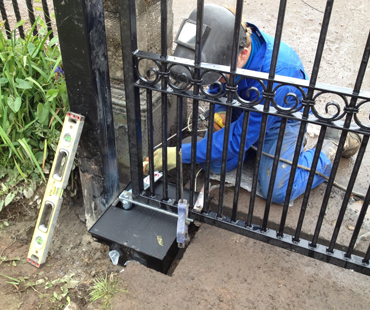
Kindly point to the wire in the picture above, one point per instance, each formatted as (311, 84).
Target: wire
(196, 176)
(187, 127)
(312, 7)
(360, 195)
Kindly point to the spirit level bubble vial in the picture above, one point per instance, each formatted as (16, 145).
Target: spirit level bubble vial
(58, 180)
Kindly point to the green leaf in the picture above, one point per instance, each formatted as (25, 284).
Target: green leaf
(51, 94)
(43, 112)
(31, 48)
(20, 170)
(3, 81)
(9, 198)
(37, 84)
(56, 117)
(14, 104)
(20, 23)
(1, 204)
(53, 41)
(6, 139)
(6, 223)
(23, 84)
(28, 150)
(40, 71)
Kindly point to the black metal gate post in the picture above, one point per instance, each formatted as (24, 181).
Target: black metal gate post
(129, 37)
(83, 44)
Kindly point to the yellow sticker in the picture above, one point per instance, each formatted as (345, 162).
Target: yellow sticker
(160, 240)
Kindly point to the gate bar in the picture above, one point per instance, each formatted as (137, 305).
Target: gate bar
(18, 17)
(179, 177)
(239, 170)
(208, 156)
(275, 164)
(197, 82)
(149, 117)
(361, 216)
(47, 18)
(164, 78)
(31, 15)
(5, 18)
(268, 96)
(231, 90)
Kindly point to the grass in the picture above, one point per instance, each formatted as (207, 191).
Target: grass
(104, 289)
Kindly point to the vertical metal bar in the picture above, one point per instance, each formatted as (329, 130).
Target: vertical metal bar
(18, 17)
(274, 172)
(196, 80)
(360, 221)
(47, 18)
(149, 117)
(325, 25)
(348, 193)
(240, 164)
(351, 109)
(297, 151)
(31, 15)
(83, 48)
(231, 89)
(224, 155)
(307, 102)
(268, 95)
(179, 184)
(208, 156)
(5, 18)
(129, 37)
(367, 256)
(309, 183)
(164, 78)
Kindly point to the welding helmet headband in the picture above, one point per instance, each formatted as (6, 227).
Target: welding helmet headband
(216, 41)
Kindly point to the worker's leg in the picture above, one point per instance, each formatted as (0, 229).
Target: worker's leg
(283, 172)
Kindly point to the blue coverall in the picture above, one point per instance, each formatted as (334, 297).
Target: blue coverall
(289, 64)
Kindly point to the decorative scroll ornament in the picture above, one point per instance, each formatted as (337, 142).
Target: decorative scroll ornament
(356, 115)
(292, 101)
(181, 81)
(152, 75)
(338, 113)
(248, 92)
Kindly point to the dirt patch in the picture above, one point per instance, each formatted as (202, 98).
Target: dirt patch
(73, 261)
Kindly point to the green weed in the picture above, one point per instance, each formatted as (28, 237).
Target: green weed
(104, 289)
(33, 102)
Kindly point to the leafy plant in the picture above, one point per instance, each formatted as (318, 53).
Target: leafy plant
(104, 289)
(33, 102)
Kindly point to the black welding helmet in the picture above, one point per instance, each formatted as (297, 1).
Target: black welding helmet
(217, 40)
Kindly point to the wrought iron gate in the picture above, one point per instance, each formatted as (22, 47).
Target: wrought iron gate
(158, 80)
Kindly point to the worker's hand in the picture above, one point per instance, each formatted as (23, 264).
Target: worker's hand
(219, 120)
(171, 160)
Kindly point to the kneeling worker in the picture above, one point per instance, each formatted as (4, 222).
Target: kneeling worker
(255, 52)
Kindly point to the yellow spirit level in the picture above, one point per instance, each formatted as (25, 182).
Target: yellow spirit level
(57, 182)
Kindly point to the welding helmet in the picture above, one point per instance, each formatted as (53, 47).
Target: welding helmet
(216, 41)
